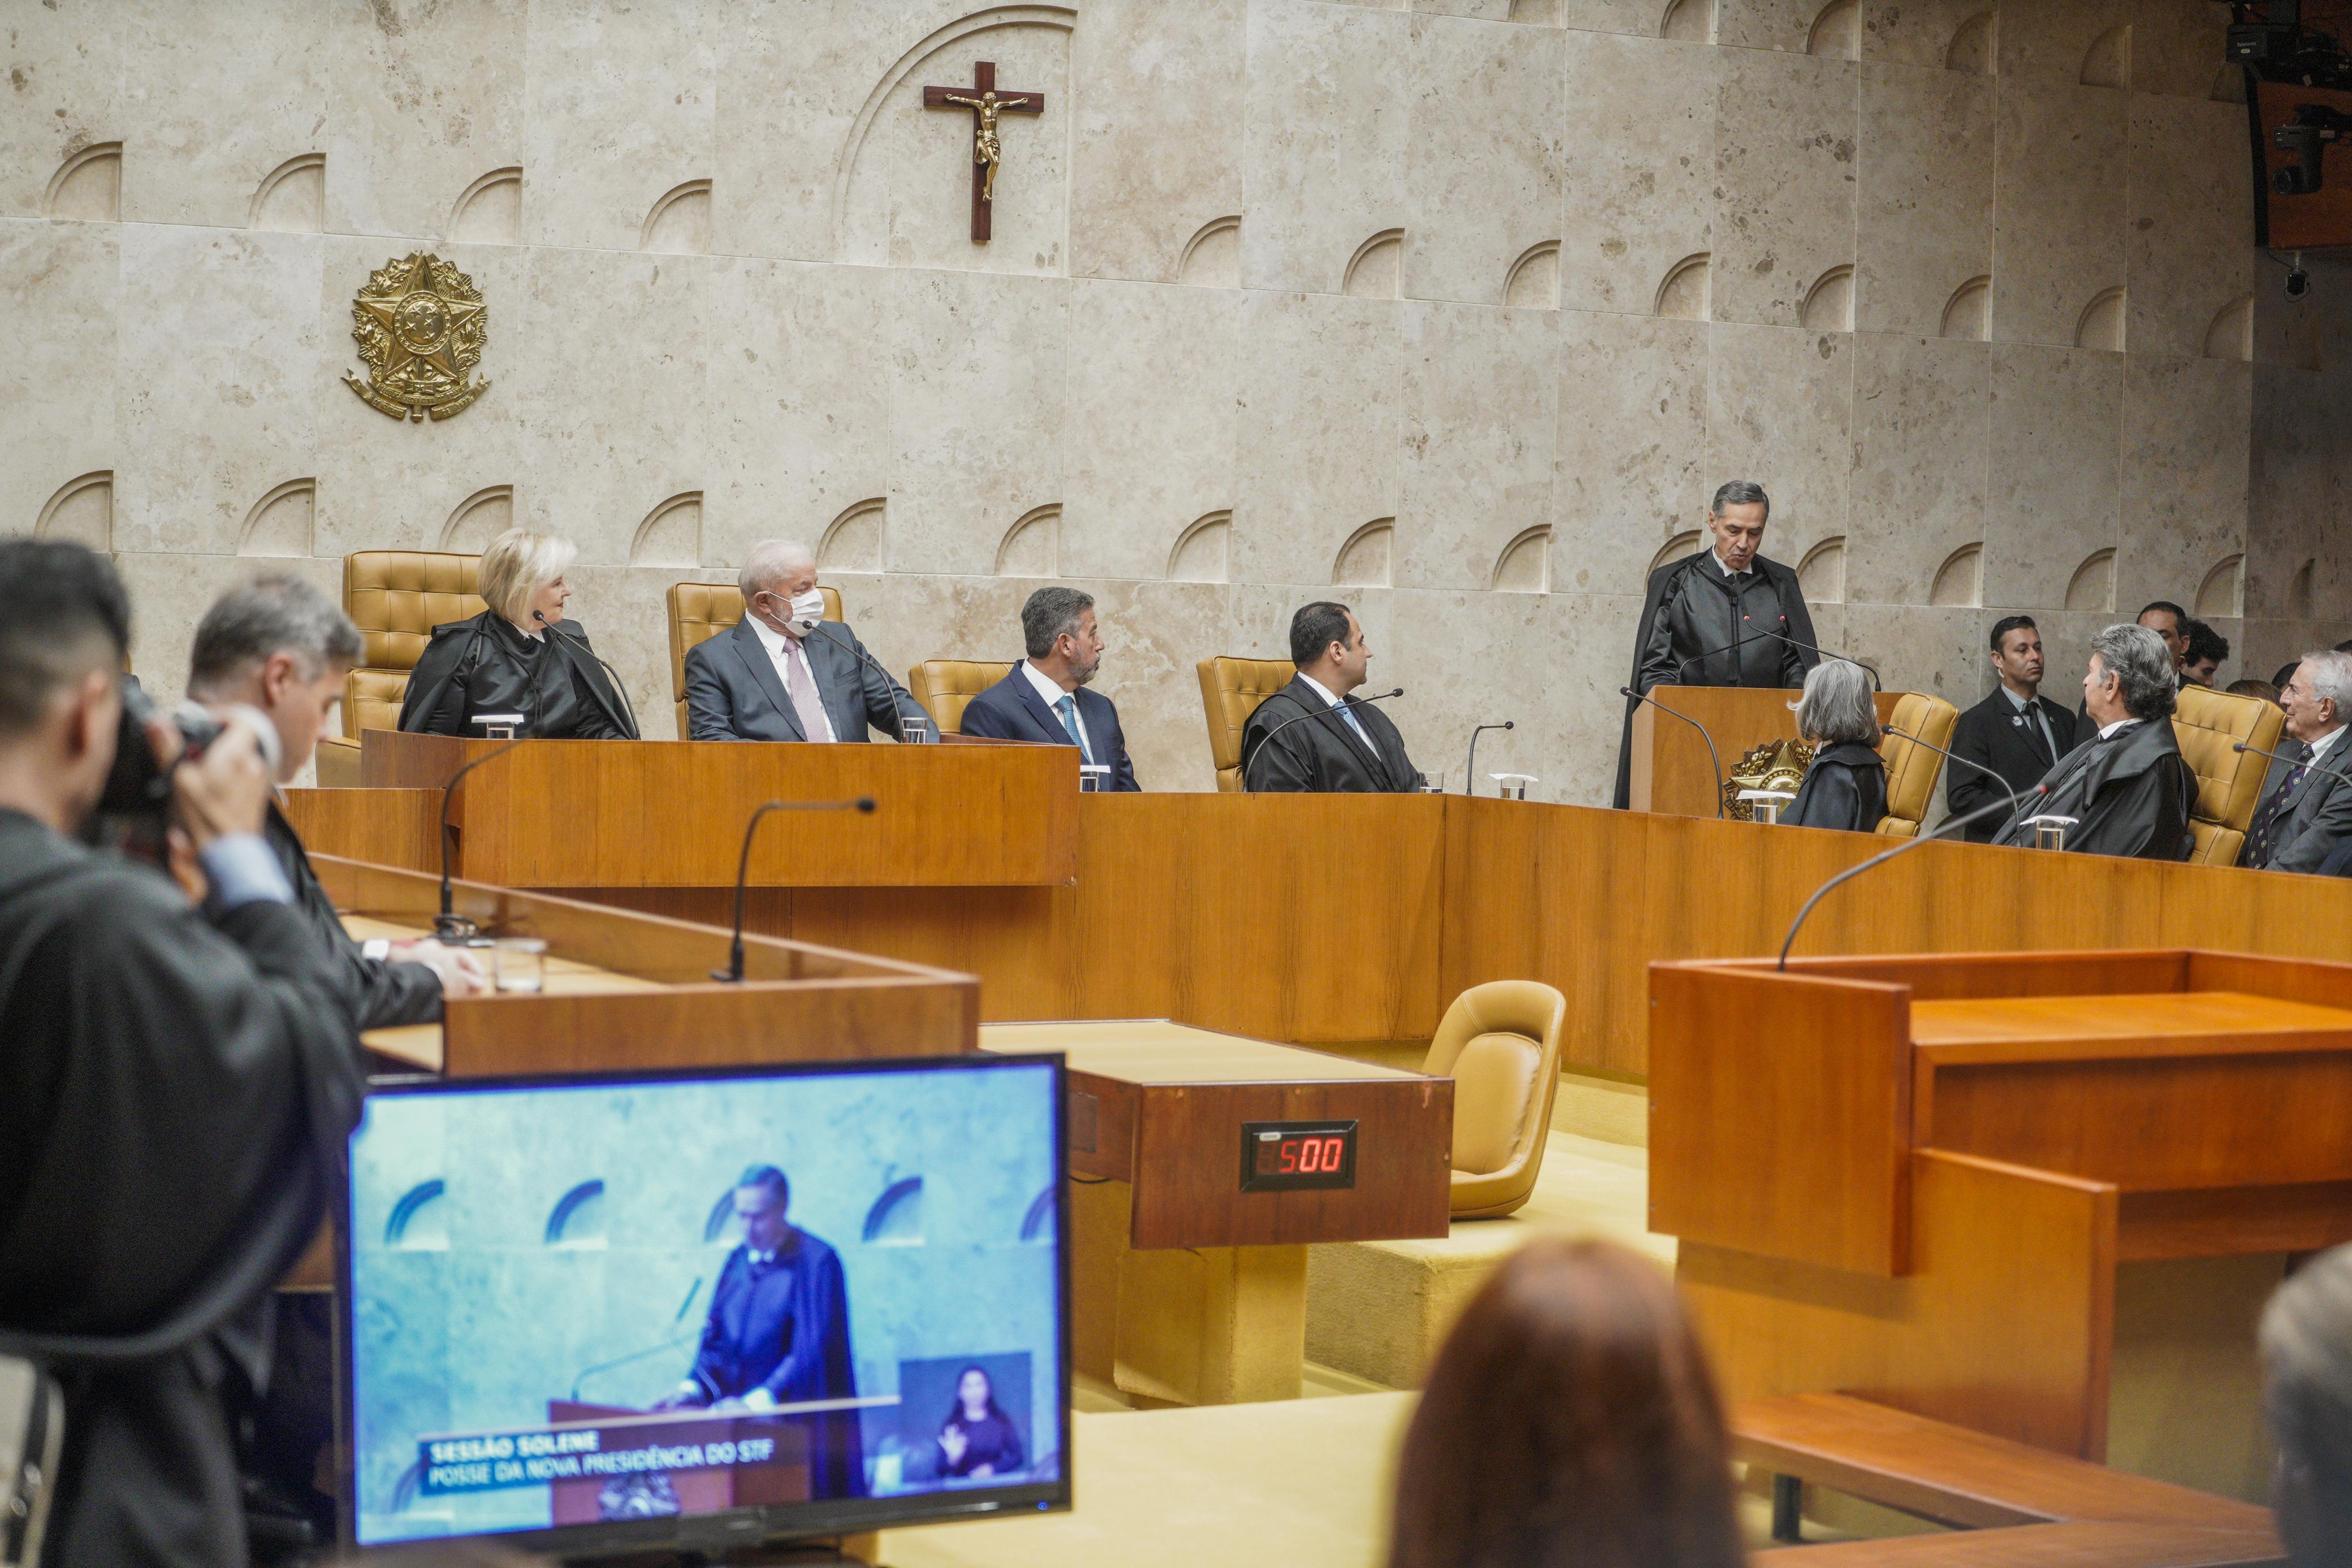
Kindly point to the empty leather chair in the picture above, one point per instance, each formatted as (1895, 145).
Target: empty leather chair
(1912, 770)
(1231, 690)
(2208, 725)
(946, 686)
(395, 597)
(700, 610)
(1500, 1044)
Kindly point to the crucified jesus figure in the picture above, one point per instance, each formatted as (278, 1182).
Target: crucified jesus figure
(985, 148)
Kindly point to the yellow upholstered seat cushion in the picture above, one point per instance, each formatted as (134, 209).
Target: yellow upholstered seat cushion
(395, 597)
(1912, 769)
(1231, 690)
(1500, 1044)
(946, 686)
(2209, 725)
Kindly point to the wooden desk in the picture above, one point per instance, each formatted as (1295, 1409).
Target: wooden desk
(1671, 771)
(1184, 1288)
(1913, 1179)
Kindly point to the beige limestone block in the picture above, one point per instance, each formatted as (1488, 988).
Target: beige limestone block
(60, 295)
(1924, 195)
(1632, 446)
(218, 381)
(611, 379)
(1492, 660)
(1486, 101)
(2292, 487)
(1914, 32)
(1919, 649)
(978, 382)
(170, 593)
(1922, 443)
(1322, 409)
(1325, 140)
(215, 98)
(2049, 41)
(1595, 658)
(618, 113)
(2185, 425)
(624, 611)
(799, 395)
(1154, 635)
(1639, 186)
(60, 92)
(2058, 207)
(1785, 127)
(1637, 16)
(428, 97)
(1154, 421)
(387, 484)
(1480, 423)
(1258, 625)
(2177, 49)
(2186, 256)
(1779, 402)
(1155, 135)
(2052, 495)
(1780, 25)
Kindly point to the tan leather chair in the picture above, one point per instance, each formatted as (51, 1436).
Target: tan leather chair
(699, 611)
(1500, 1044)
(1912, 769)
(946, 686)
(395, 597)
(2208, 725)
(1231, 690)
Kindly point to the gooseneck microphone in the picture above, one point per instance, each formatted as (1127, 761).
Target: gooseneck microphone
(1470, 769)
(1713, 760)
(888, 685)
(733, 974)
(670, 1344)
(636, 730)
(1301, 718)
(448, 926)
(1908, 845)
(1817, 653)
(1745, 638)
(2291, 762)
(1963, 761)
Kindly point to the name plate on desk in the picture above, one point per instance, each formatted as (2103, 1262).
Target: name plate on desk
(1282, 1156)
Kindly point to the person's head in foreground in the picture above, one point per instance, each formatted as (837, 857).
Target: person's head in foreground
(65, 622)
(2131, 676)
(1836, 708)
(1570, 1422)
(2307, 1344)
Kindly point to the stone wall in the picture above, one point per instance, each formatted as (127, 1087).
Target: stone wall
(1463, 313)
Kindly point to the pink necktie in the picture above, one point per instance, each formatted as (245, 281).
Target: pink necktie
(801, 687)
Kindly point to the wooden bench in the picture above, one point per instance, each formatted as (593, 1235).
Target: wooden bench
(2011, 1503)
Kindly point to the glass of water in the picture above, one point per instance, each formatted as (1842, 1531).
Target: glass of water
(521, 963)
(915, 729)
(1434, 783)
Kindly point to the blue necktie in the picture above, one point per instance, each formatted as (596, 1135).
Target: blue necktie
(1350, 714)
(1068, 708)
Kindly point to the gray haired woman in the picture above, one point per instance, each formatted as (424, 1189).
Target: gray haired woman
(1846, 785)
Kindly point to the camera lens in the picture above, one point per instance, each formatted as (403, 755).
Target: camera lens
(2298, 284)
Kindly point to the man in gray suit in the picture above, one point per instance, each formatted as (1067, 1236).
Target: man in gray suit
(2305, 813)
(778, 674)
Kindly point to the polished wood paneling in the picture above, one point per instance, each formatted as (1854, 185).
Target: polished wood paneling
(382, 827)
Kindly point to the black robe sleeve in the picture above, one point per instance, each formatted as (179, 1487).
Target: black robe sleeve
(603, 713)
(2140, 817)
(434, 703)
(1796, 661)
(1281, 765)
(383, 995)
(1652, 626)
(1827, 799)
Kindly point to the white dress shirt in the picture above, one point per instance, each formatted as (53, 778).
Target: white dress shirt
(2319, 748)
(2106, 730)
(782, 652)
(1053, 696)
(2031, 711)
(1346, 712)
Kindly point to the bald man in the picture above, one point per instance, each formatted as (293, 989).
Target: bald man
(778, 674)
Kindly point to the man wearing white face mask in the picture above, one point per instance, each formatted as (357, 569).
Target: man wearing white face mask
(779, 675)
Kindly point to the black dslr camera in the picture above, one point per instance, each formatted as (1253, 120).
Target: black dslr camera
(136, 808)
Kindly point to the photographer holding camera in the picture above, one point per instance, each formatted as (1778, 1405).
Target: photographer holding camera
(176, 1083)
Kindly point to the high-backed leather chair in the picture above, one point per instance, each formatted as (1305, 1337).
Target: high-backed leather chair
(1500, 1044)
(1912, 769)
(2208, 724)
(700, 610)
(1231, 690)
(946, 686)
(395, 597)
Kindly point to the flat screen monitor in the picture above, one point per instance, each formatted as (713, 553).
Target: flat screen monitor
(706, 1308)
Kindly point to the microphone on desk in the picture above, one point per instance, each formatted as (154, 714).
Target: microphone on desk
(447, 926)
(2291, 762)
(1470, 769)
(1963, 761)
(611, 673)
(733, 974)
(887, 683)
(1713, 760)
(669, 1343)
(1908, 844)
(1820, 654)
(1300, 718)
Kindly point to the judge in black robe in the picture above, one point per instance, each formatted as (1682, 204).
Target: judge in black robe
(2128, 787)
(1314, 736)
(490, 664)
(1845, 787)
(1724, 617)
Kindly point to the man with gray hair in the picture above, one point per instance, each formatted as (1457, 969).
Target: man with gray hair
(1044, 699)
(277, 651)
(783, 673)
(2306, 811)
(2127, 788)
(1724, 617)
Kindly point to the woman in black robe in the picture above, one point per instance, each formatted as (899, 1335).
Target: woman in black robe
(978, 1439)
(520, 656)
(1846, 785)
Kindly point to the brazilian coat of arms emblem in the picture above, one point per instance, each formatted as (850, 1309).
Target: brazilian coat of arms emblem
(420, 324)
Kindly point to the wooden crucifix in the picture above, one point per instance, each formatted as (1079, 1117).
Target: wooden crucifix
(985, 103)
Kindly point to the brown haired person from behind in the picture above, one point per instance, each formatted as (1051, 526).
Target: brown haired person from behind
(1570, 1422)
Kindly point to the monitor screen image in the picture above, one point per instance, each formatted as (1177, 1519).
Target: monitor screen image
(706, 1308)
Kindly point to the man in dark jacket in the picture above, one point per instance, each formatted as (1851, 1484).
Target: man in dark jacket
(1314, 736)
(1044, 699)
(2304, 813)
(784, 672)
(1724, 617)
(2127, 788)
(2012, 738)
(176, 1083)
(280, 649)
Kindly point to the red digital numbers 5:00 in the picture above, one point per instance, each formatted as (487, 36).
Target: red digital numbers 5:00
(1301, 1156)
(1282, 1154)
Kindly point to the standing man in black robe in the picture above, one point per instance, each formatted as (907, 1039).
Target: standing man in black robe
(176, 1083)
(2127, 788)
(1724, 617)
(1314, 736)
(2013, 737)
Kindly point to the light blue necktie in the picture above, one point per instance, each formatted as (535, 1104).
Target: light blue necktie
(1068, 708)
(1349, 714)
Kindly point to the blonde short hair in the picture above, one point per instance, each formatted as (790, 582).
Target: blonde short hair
(517, 564)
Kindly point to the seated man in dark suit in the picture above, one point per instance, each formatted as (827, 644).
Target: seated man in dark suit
(1044, 699)
(2305, 812)
(2016, 733)
(1314, 736)
(779, 674)
(2127, 787)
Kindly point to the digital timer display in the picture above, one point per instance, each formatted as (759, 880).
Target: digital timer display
(1280, 1156)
